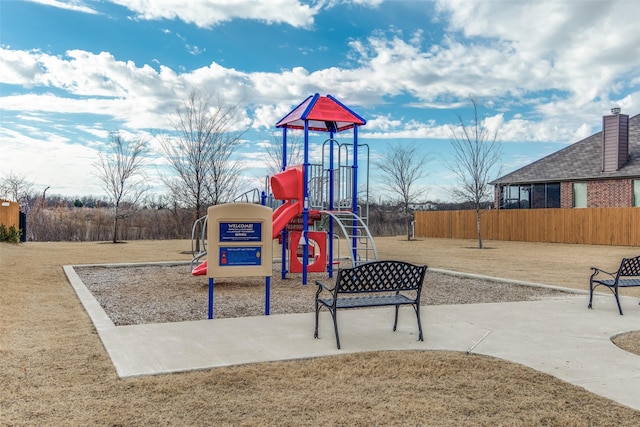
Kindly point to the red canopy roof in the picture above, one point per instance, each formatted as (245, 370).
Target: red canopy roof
(323, 113)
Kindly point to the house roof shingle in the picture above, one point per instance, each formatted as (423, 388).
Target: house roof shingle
(579, 161)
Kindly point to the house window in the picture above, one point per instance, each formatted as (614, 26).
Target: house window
(530, 196)
(579, 194)
(516, 196)
(636, 192)
(545, 195)
(553, 195)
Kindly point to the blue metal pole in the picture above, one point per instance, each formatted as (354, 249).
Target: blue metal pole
(284, 148)
(305, 206)
(267, 295)
(330, 204)
(355, 170)
(284, 237)
(283, 234)
(354, 192)
(210, 311)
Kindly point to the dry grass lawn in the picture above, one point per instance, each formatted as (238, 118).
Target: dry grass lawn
(55, 371)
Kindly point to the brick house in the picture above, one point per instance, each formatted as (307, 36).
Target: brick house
(602, 170)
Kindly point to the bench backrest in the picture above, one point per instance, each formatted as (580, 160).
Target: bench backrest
(380, 276)
(629, 267)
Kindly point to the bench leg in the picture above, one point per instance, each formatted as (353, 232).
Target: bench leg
(416, 307)
(335, 323)
(334, 314)
(615, 292)
(315, 333)
(395, 322)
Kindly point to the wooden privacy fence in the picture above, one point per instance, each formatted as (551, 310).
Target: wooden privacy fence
(9, 213)
(592, 226)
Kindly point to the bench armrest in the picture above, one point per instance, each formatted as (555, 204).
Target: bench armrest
(322, 286)
(596, 271)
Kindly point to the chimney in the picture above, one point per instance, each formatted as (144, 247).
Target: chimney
(615, 140)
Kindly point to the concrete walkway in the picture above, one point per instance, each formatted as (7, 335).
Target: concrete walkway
(558, 336)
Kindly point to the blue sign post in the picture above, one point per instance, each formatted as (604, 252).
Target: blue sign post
(239, 244)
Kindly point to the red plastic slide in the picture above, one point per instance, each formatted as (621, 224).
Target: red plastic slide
(286, 185)
(283, 215)
(200, 269)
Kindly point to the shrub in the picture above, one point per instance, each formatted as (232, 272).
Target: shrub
(11, 235)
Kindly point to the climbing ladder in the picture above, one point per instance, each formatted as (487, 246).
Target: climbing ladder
(361, 246)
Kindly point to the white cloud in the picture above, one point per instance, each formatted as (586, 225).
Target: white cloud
(19, 67)
(142, 97)
(266, 115)
(517, 129)
(383, 128)
(368, 3)
(97, 131)
(580, 47)
(66, 168)
(383, 123)
(73, 5)
(207, 13)
(493, 123)
(32, 118)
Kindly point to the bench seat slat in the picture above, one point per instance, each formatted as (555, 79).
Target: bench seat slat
(368, 301)
(622, 283)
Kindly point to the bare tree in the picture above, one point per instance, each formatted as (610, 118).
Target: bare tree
(275, 150)
(15, 187)
(476, 159)
(200, 154)
(121, 172)
(402, 167)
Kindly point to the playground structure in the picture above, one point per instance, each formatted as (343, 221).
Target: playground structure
(319, 203)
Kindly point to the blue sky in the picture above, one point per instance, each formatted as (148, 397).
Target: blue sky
(72, 71)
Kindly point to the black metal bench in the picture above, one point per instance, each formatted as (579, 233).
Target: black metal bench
(627, 276)
(373, 284)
